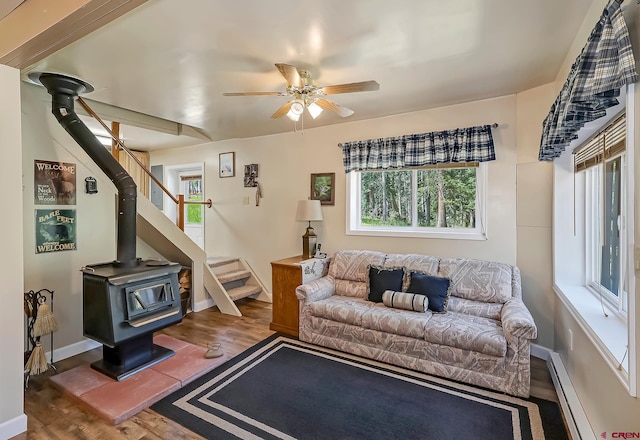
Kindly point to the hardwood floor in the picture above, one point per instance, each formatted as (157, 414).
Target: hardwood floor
(52, 416)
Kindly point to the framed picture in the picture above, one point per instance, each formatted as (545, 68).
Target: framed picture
(227, 164)
(323, 188)
(251, 175)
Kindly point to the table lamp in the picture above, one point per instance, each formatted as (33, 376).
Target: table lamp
(309, 211)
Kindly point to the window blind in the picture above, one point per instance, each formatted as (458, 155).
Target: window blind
(183, 178)
(607, 143)
(441, 166)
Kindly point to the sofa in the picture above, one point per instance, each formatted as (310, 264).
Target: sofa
(481, 338)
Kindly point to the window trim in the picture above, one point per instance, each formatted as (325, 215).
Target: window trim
(353, 203)
(617, 304)
(604, 333)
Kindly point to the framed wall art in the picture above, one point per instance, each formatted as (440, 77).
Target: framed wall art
(54, 183)
(323, 188)
(251, 175)
(227, 164)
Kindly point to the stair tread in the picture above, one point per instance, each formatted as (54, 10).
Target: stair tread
(221, 261)
(243, 291)
(233, 275)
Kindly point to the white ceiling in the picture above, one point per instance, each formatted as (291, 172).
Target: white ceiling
(174, 59)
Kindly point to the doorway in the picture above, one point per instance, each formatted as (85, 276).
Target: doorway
(188, 179)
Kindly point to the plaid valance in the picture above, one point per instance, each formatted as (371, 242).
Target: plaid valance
(605, 65)
(472, 144)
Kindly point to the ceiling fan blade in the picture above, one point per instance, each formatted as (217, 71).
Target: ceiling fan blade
(291, 74)
(364, 86)
(333, 107)
(254, 94)
(282, 110)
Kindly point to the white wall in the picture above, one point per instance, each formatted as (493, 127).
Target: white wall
(12, 419)
(45, 139)
(533, 215)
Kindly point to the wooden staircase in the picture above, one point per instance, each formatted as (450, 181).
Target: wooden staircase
(230, 279)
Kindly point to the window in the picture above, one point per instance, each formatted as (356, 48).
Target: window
(441, 201)
(192, 189)
(603, 160)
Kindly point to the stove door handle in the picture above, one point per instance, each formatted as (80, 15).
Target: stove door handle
(152, 318)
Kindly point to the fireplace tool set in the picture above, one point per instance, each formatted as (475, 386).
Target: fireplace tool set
(40, 322)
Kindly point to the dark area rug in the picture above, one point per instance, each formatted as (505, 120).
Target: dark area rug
(285, 389)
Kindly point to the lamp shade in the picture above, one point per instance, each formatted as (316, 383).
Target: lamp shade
(309, 211)
(314, 110)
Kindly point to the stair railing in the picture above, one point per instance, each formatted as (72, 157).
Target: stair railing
(180, 201)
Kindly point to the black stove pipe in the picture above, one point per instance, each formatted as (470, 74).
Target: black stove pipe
(63, 90)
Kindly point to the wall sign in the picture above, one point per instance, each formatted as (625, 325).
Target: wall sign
(54, 183)
(55, 230)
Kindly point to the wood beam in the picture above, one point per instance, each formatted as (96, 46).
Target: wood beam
(115, 128)
(38, 28)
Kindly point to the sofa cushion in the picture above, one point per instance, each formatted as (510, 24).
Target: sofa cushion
(476, 308)
(395, 321)
(341, 309)
(381, 279)
(434, 288)
(467, 333)
(353, 265)
(413, 263)
(478, 280)
(405, 301)
(356, 289)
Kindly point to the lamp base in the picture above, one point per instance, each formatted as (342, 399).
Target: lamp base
(309, 241)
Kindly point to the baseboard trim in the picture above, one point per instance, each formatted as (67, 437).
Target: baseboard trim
(574, 414)
(73, 349)
(540, 352)
(14, 426)
(202, 305)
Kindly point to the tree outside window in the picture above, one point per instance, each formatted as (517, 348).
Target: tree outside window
(193, 193)
(425, 198)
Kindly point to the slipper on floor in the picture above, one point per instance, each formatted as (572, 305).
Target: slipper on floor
(213, 352)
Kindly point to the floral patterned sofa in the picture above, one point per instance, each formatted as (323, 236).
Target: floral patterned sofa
(482, 338)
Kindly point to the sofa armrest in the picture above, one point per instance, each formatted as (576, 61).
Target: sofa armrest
(316, 290)
(517, 322)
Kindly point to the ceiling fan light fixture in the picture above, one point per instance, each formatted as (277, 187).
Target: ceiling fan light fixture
(314, 110)
(293, 116)
(304, 92)
(297, 107)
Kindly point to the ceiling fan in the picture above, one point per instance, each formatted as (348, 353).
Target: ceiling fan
(305, 93)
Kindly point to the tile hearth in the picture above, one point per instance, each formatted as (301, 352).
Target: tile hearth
(117, 401)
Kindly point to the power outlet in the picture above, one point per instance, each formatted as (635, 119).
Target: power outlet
(245, 200)
(570, 340)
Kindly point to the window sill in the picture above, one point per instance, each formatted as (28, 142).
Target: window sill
(609, 335)
(450, 234)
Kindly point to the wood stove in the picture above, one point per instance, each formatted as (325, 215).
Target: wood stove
(122, 307)
(126, 300)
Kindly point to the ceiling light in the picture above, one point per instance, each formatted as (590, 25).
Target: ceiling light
(293, 116)
(314, 110)
(295, 110)
(297, 107)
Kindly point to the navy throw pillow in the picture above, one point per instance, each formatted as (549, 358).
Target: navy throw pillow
(434, 288)
(381, 279)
